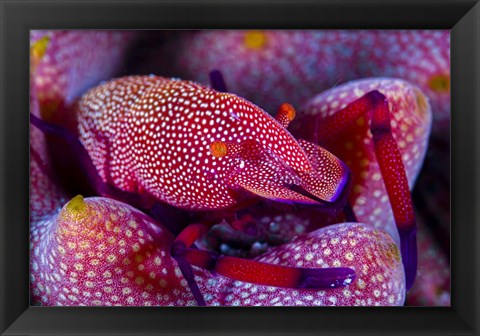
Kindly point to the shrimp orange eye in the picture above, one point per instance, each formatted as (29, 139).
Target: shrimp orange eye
(218, 149)
(440, 83)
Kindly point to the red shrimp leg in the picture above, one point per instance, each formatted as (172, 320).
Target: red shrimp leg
(254, 271)
(186, 239)
(375, 105)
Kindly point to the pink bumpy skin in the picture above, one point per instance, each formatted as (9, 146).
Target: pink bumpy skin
(265, 67)
(371, 253)
(410, 124)
(74, 61)
(273, 66)
(46, 198)
(420, 57)
(102, 252)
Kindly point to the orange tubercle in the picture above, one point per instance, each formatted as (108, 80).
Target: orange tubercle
(286, 113)
(288, 110)
(439, 83)
(255, 39)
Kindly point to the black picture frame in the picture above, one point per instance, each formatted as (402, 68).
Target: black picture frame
(17, 17)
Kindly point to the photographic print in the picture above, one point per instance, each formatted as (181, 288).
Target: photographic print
(240, 168)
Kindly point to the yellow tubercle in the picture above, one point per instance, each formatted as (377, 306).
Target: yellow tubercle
(394, 252)
(423, 106)
(76, 205)
(82, 218)
(38, 49)
(440, 83)
(75, 211)
(255, 39)
(391, 254)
